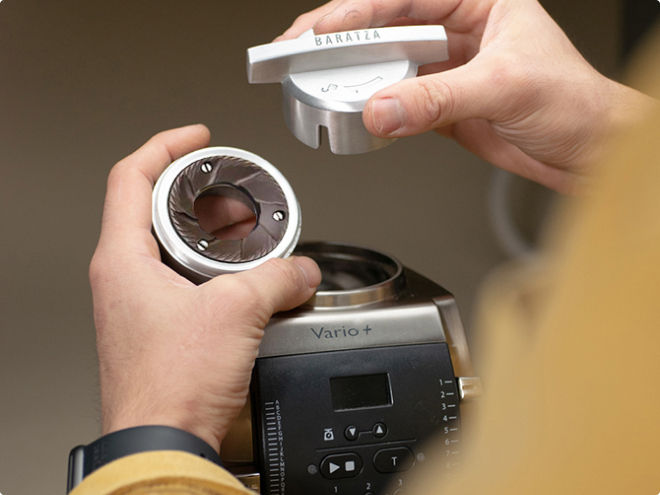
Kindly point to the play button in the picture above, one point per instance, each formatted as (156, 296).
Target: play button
(337, 466)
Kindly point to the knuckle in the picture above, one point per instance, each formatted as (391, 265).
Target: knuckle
(117, 173)
(353, 11)
(240, 289)
(511, 77)
(284, 271)
(507, 68)
(377, 6)
(435, 100)
(243, 299)
(503, 75)
(97, 269)
(357, 14)
(302, 18)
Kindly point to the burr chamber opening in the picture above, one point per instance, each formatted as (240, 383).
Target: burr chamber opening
(352, 275)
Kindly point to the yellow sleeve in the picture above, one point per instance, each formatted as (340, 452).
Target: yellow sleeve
(572, 402)
(161, 473)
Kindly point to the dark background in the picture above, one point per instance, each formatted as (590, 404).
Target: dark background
(84, 83)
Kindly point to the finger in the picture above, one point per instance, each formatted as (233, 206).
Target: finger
(419, 104)
(224, 217)
(236, 231)
(277, 285)
(356, 14)
(127, 209)
(462, 48)
(306, 21)
(344, 15)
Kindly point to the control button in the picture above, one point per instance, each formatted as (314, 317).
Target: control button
(351, 432)
(341, 466)
(379, 430)
(393, 460)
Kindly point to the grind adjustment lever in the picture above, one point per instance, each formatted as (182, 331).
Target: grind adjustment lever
(327, 79)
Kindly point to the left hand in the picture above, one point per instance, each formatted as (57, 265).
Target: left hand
(172, 353)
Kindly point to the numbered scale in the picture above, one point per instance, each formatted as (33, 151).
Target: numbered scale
(354, 390)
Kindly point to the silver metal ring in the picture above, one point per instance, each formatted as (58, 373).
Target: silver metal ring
(352, 275)
(199, 255)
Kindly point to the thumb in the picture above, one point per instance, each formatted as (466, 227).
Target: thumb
(277, 285)
(426, 102)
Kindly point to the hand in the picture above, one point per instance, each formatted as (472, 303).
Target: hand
(515, 91)
(172, 353)
(224, 217)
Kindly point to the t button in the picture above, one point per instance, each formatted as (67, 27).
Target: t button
(393, 460)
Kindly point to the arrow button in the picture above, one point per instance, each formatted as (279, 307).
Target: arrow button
(351, 432)
(379, 430)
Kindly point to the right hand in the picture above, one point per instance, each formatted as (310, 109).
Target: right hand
(514, 91)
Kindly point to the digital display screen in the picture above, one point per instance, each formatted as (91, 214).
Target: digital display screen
(354, 392)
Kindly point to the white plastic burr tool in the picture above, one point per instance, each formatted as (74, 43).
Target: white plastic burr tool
(327, 78)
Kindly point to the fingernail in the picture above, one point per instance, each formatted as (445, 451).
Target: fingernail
(309, 269)
(387, 115)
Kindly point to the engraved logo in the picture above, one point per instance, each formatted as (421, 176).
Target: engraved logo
(339, 332)
(337, 39)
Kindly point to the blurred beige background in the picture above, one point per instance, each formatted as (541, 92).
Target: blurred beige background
(83, 83)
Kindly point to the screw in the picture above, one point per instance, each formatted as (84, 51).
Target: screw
(279, 215)
(202, 244)
(207, 167)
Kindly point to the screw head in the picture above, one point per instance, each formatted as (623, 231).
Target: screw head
(202, 244)
(279, 215)
(207, 167)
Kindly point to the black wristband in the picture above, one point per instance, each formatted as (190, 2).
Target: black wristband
(85, 459)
